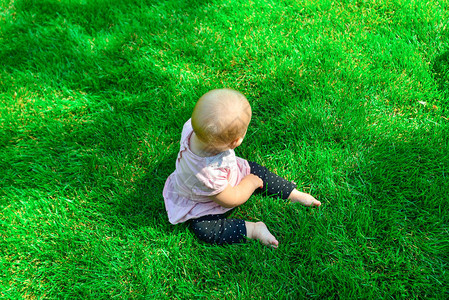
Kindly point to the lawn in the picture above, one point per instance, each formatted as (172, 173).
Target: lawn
(350, 100)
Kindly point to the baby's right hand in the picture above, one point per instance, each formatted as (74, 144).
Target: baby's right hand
(258, 183)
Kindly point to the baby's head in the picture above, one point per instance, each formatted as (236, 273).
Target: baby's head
(221, 117)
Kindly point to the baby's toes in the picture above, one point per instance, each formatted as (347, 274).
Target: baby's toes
(316, 203)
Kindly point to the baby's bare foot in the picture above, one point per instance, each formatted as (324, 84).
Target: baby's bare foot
(259, 231)
(310, 202)
(303, 198)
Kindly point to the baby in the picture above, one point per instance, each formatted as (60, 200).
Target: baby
(210, 180)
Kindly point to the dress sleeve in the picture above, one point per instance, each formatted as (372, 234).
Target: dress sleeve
(211, 181)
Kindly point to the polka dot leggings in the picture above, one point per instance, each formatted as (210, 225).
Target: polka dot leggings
(217, 229)
(273, 185)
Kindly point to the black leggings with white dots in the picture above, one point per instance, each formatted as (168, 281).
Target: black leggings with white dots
(218, 229)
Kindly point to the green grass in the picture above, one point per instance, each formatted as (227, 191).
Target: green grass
(350, 100)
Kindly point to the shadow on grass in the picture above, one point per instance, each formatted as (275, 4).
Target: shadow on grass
(440, 70)
(93, 46)
(405, 175)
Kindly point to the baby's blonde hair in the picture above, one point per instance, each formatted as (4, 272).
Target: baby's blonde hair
(221, 117)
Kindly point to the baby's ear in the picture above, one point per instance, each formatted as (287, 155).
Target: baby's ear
(236, 143)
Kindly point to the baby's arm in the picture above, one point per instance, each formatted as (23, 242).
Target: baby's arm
(233, 196)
